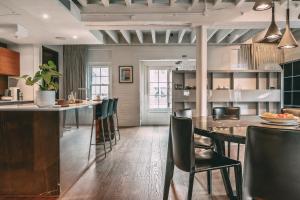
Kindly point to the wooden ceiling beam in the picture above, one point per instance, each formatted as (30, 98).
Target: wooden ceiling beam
(168, 32)
(153, 36)
(139, 35)
(126, 35)
(113, 35)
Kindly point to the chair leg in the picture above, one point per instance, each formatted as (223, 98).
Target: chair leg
(238, 181)
(228, 154)
(91, 139)
(109, 132)
(191, 184)
(103, 136)
(209, 184)
(238, 152)
(118, 126)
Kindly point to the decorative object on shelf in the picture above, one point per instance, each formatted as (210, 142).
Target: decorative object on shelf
(125, 74)
(273, 32)
(261, 5)
(288, 40)
(45, 96)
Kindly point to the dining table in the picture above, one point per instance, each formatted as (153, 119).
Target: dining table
(220, 131)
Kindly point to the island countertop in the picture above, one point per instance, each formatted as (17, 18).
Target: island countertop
(33, 107)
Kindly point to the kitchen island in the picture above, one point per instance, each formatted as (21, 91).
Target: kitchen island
(35, 158)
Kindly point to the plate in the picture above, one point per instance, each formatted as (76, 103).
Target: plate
(282, 124)
(280, 120)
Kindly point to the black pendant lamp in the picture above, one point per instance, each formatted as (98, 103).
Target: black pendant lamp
(288, 40)
(261, 5)
(273, 32)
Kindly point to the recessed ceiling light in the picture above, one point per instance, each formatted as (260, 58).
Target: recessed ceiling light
(45, 16)
(75, 37)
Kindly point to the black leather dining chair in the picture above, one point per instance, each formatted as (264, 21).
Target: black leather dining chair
(115, 115)
(272, 163)
(185, 158)
(109, 121)
(200, 142)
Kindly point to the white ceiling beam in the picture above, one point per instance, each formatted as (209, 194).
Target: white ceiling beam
(139, 35)
(239, 2)
(222, 34)
(250, 34)
(128, 3)
(211, 33)
(168, 32)
(193, 37)
(105, 3)
(235, 35)
(83, 2)
(153, 36)
(217, 2)
(98, 35)
(181, 35)
(126, 35)
(113, 35)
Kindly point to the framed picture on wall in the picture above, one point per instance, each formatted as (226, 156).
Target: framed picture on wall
(125, 74)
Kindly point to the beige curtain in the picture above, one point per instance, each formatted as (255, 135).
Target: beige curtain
(258, 55)
(74, 73)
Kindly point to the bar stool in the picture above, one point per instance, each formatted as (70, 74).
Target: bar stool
(101, 114)
(115, 114)
(110, 122)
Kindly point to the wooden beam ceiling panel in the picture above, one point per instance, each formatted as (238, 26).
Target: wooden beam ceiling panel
(168, 32)
(113, 35)
(153, 36)
(126, 35)
(139, 35)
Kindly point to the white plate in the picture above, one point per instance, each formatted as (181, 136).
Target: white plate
(280, 120)
(282, 124)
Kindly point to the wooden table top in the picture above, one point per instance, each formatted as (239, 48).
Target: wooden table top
(230, 130)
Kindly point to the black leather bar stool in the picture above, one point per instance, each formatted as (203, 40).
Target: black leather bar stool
(272, 163)
(185, 158)
(115, 114)
(110, 120)
(101, 114)
(200, 142)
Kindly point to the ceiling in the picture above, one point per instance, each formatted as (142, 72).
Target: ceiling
(137, 22)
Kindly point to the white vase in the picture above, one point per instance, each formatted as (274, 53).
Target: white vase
(45, 98)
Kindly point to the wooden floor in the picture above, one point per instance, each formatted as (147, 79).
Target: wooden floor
(134, 170)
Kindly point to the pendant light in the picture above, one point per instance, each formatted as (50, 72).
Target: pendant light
(273, 32)
(288, 41)
(261, 5)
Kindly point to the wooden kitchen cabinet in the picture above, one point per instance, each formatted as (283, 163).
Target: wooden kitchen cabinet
(9, 62)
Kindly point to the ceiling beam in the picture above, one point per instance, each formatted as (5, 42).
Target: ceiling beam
(239, 2)
(222, 34)
(211, 33)
(168, 32)
(126, 35)
(235, 35)
(248, 35)
(105, 3)
(113, 35)
(128, 3)
(193, 37)
(83, 2)
(181, 35)
(98, 35)
(153, 36)
(139, 35)
(217, 2)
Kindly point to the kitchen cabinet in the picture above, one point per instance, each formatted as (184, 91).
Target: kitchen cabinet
(9, 62)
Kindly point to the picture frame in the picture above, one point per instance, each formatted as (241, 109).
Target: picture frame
(125, 74)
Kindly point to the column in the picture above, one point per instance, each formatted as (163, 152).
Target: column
(201, 71)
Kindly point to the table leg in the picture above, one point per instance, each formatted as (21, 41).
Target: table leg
(77, 119)
(220, 149)
(169, 168)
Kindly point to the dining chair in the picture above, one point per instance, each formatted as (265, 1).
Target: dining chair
(200, 142)
(186, 159)
(109, 121)
(115, 113)
(101, 114)
(272, 163)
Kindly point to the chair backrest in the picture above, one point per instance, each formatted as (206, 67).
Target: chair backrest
(184, 113)
(182, 143)
(110, 109)
(220, 113)
(294, 111)
(101, 109)
(115, 106)
(272, 163)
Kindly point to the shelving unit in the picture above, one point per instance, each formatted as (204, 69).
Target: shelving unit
(255, 91)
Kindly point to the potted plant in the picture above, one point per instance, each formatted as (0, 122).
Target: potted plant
(44, 78)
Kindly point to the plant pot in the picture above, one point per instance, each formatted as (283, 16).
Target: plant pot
(45, 98)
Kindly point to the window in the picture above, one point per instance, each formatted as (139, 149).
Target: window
(99, 81)
(160, 89)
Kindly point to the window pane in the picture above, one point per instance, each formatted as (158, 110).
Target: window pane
(96, 71)
(163, 90)
(104, 80)
(153, 75)
(95, 80)
(153, 102)
(163, 75)
(163, 102)
(104, 91)
(104, 71)
(153, 90)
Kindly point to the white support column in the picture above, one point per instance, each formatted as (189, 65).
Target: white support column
(201, 71)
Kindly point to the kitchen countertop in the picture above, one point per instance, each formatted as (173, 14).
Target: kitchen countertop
(15, 102)
(33, 107)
